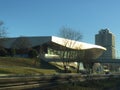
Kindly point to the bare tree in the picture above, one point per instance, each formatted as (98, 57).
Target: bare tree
(70, 33)
(71, 36)
(22, 44)
(3, 34)
(79, 57)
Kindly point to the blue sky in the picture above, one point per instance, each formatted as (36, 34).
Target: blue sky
(46, 17)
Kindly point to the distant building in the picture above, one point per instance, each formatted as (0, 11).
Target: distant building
(106, 39)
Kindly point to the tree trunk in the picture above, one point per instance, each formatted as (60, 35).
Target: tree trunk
(78, 67)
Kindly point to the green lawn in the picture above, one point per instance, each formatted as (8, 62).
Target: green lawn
(12, 65)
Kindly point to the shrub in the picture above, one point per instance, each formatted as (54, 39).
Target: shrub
(12, 52)
(3, 52)
(32, 53)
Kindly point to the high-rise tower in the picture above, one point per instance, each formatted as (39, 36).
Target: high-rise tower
(106, 39)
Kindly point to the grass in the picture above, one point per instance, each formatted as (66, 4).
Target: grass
(12, 65)
(13, 61)
(24, 70)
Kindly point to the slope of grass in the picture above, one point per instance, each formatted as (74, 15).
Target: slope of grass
(13, 61)
(12, 65)
(25, 70)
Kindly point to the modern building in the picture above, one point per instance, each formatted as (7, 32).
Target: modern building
(106, 39)
(51, 46)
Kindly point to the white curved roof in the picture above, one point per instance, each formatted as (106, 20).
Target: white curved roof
(91, 51)
(75, 44)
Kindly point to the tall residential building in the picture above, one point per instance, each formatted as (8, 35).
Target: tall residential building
(106, 39)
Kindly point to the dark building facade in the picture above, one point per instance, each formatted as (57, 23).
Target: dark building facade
(106, 39)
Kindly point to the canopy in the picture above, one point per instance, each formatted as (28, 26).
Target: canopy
(91, 51)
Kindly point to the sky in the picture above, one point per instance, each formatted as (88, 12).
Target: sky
(47, 17)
